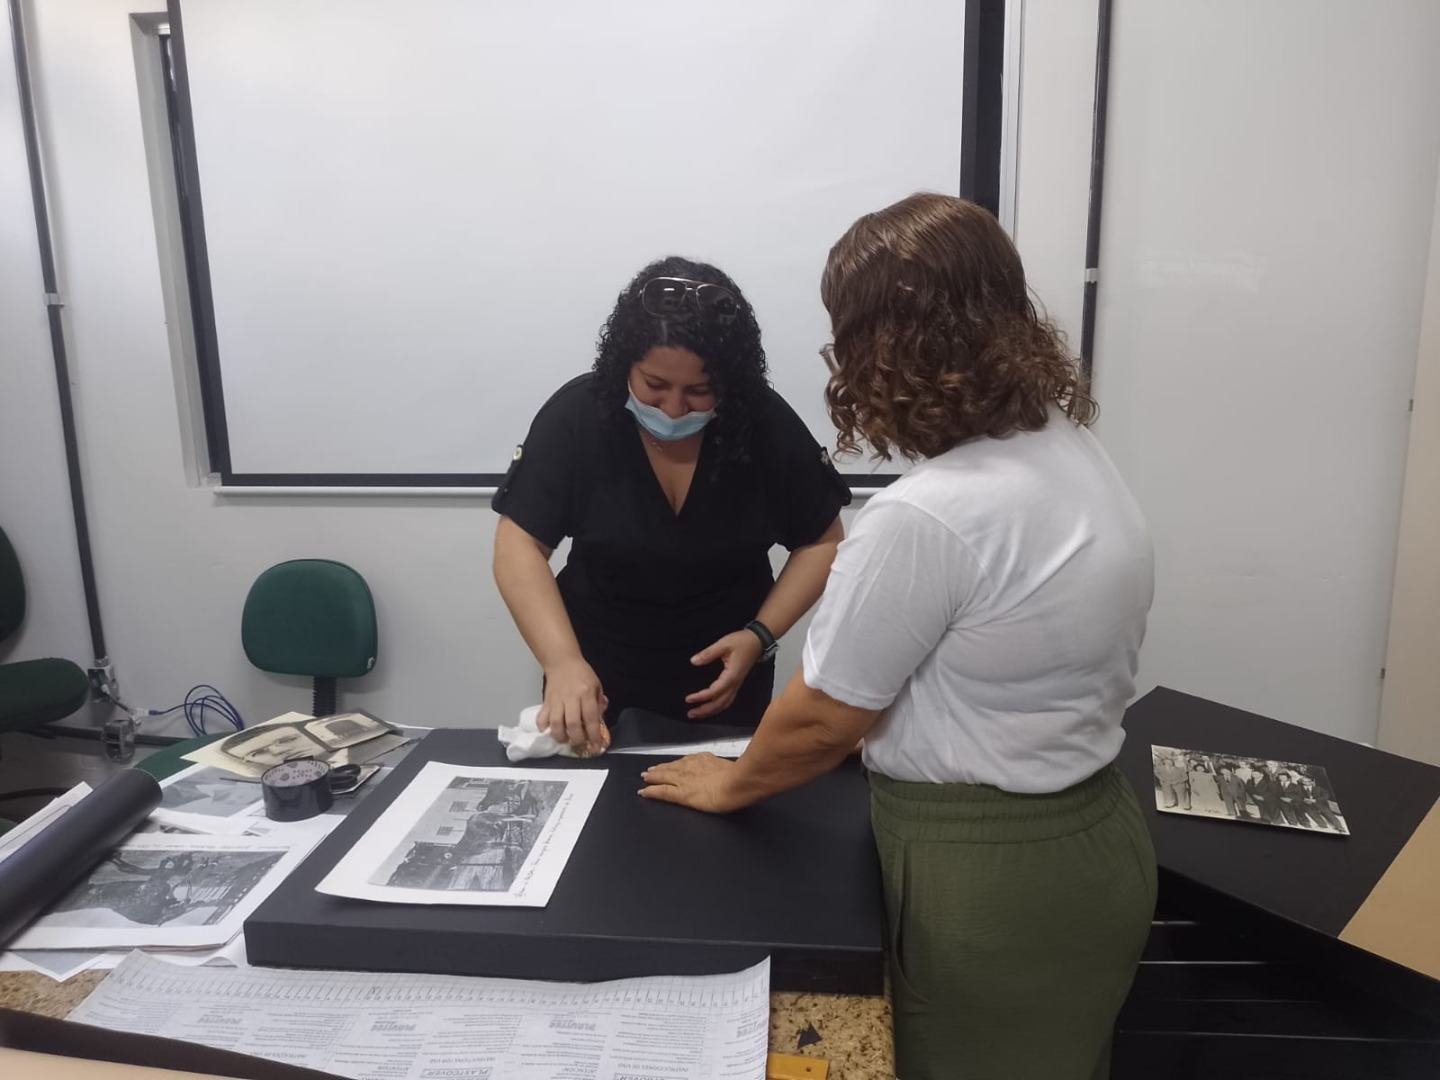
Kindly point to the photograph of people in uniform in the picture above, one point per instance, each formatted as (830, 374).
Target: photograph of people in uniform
(1237, 788)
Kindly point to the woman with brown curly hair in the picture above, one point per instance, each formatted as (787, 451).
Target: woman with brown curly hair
(980, 631)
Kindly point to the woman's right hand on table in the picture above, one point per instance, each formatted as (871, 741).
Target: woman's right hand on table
(573, 711)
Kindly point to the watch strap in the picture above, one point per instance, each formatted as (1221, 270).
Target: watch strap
(768, 645)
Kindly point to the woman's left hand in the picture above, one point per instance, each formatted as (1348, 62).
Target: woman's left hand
(738, 652)
(700, 781)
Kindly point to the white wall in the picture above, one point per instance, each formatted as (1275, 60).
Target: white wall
(173, 561)
(1270, 179)
(1262, 431)
(34, 496)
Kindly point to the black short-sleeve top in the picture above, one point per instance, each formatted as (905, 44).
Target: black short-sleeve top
(646, 588)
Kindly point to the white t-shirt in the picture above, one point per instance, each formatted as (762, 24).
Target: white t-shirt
(992, 602)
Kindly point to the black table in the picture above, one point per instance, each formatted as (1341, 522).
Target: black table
(1246, 968)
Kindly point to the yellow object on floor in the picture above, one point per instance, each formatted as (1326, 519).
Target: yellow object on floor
(795, 1067)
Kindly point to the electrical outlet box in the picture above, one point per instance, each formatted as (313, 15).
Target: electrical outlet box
(103, 686)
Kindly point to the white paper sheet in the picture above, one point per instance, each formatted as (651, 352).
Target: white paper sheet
(62, 964)
(59, 964)
(389, 1027)
(465, 834)
(726, 748)
(175, 891)
(12, 841)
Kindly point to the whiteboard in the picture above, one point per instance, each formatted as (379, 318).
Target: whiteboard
(418, 216)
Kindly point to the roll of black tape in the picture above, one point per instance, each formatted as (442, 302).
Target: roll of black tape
(296, 790)
(47, 864)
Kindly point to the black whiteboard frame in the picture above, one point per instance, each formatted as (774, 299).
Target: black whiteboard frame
(983, 54)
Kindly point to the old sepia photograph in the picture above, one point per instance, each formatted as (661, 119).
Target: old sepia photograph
(346, 729)
(274, 743)
(475, 836)
(1233, 787)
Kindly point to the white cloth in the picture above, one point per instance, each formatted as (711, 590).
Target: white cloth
(526, 740)
(992, 602)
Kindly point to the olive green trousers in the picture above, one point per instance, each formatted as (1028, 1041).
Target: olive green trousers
(1015, 924)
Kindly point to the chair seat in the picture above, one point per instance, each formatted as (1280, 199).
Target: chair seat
(38, 692)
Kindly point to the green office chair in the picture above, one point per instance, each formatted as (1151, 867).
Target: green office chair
(33, 693)
(311, 617)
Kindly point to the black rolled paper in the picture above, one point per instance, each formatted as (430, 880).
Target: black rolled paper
(59, 855)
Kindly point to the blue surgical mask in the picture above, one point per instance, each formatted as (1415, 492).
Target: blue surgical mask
(664, 427)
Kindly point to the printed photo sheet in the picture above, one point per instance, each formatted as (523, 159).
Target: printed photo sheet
(207, 799)
(465, 834)
(168, 890)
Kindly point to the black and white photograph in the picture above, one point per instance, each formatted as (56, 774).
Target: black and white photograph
(208, 791)
(1233, 787)
(344, 739)
(474, 838)
(266, 745)
(466, 834)
(346, 729)
(159, 890)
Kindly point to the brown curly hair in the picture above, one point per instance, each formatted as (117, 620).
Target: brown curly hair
(936, 337)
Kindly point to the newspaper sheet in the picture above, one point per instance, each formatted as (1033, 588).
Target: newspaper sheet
(402, 1027)
(465, 834)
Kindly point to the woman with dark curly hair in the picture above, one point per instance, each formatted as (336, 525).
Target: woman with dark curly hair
(674, 468)
(980, 631)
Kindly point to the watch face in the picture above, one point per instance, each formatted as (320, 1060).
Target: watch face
(295, 773)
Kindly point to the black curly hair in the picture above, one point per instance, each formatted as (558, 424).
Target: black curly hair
(730, 349)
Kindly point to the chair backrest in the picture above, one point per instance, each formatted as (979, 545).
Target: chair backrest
(12, 589)
(312, 617)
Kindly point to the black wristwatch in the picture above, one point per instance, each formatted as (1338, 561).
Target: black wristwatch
(768, 645)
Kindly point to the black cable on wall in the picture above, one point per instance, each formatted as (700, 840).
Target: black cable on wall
(1097, 188)
(53, 305)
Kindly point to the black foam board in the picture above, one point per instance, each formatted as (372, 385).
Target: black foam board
(650, 889)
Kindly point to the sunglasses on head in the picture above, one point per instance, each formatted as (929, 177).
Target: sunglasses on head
(664, 296)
